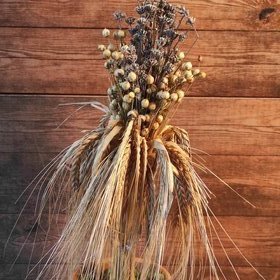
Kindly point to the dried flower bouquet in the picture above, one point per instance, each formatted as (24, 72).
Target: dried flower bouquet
(131, 184)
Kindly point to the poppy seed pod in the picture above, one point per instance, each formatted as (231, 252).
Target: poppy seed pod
(174, 97)
(190, 80)
(114, 102)
(188, 74)
(159, 94)
(127, 98)
(145, 103)
(165, 80)
(125, 85)
(120, 34)
(149, 90)
(187, 66)
(150, 79)
(160, 118)
(107, 54)
(132, 95)
(162, 86)
(196, 72)
(116, 55)
(152, 106)
(119, 72)
(101, 48)
(132, 77)
(180, 93)
(106, 32)
(165, 95)
(155, 125)
(181, 55)
(111, 47)
(126, 106)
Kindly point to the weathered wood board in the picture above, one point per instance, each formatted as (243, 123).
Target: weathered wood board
(66, 61)
(48, 57)
(211, 15)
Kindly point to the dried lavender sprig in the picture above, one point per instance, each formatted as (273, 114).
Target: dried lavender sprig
(149, 73)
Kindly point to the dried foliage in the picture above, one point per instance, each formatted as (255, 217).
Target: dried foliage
(130, 184)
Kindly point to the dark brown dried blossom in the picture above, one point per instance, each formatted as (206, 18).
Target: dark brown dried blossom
(119, 16)
(130, 20)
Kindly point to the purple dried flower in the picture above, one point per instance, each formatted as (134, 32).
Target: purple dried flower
(182, 36)
(110, 64)
(150, 8)
(155, 54)
(125, 49)
(170, 34)
(142, 33)
(130, 20)
(119, 15)
(173, 58)
(170, 9)
(142, 21)
(165, 19)
(143, 76)
(152, 62)
(161, 42)
(132, 67)
(140, 10)
(183, 11)
(162, 4)
(130, 53)
(168, 68)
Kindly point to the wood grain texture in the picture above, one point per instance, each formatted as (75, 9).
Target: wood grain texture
(256, 237)
(236, 126)
(214, 14)
(20, 270)
(241, 134)
(48, 52)
(218, 48)
(242, 173)
(66, 62)
(33, 76)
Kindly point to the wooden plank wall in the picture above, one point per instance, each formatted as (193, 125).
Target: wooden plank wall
(48, 57)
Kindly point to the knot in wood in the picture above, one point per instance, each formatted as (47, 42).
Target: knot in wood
(266, 13)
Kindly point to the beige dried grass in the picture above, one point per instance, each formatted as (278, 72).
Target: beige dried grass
(127, 195)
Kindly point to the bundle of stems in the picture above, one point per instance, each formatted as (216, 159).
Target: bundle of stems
(131, 183)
